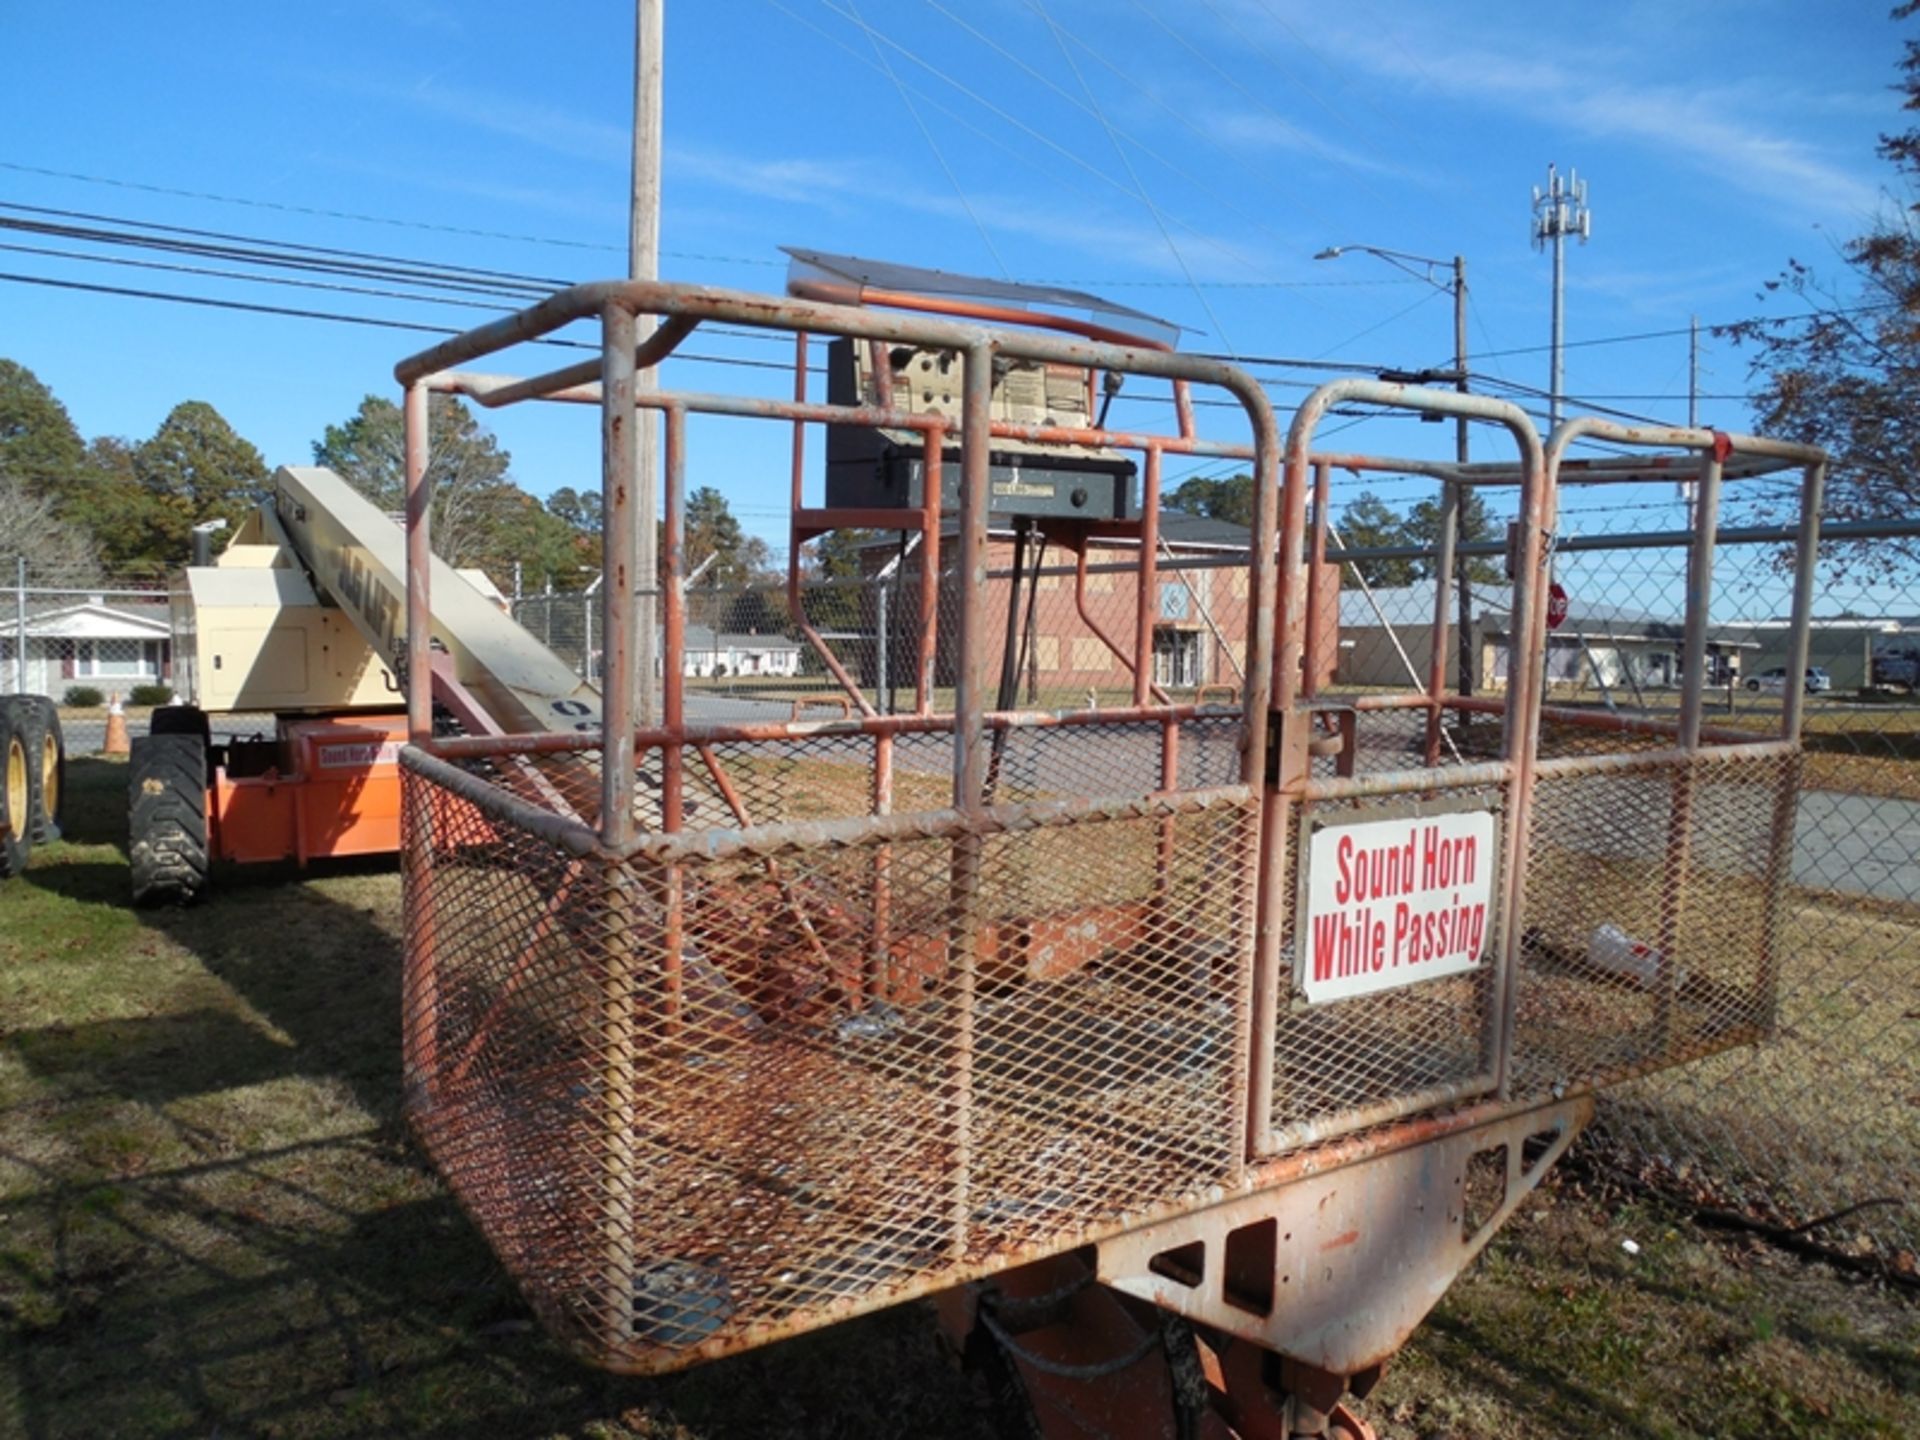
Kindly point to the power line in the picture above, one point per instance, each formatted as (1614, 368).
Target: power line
(1290, 82)
(307, 261)
(1146, 92)
(1184, 43)
(209, 271)
(1126, 161)
(544, 282)
(277, 254)
(466, 281)
(1032, 132)
(374, 321)
(1091, 107)
(1400, 314)
(250, 248)
(1234, 284)
(1687, 330)
(359, 217)
(1515, 387)
(926, 134)
(251, 308)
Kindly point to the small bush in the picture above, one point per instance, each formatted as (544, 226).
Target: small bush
(83, 697)
(150, 695)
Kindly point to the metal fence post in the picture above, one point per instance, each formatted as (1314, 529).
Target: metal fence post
(20, 611)
(882, 691)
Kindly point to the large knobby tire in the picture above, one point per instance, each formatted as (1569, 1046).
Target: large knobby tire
(180, 720)
(47, 759)
(167, 819)
(16, 792)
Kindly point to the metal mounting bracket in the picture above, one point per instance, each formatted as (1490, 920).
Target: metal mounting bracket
(1337, 1268)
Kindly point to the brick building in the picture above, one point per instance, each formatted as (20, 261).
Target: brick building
(1199, 633)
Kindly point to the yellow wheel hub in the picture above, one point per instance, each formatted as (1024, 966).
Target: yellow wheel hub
(17, 815)
(49, 776)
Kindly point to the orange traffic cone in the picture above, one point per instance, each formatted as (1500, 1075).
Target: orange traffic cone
(116, 743)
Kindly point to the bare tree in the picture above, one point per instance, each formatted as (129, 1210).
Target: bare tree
(57, 552)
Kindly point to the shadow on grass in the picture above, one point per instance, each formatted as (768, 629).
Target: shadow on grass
(215, 1223)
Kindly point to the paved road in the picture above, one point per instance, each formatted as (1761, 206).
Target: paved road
(1858, 845)
(1853, 844)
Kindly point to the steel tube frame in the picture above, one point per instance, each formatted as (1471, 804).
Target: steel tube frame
(1146, 592)
(1322, 522)
(1279, 635)
(616, 299)
(647, 354)
(1792, 709)
(1289, 786)
(559, 742)
(619, 541)
(1715, 449)
(931, 483)
(419, 676)
(1603, 720)
(1450, 506)
(969, 767)
(672, 567)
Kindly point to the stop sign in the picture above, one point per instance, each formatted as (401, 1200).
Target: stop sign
(1556, 605)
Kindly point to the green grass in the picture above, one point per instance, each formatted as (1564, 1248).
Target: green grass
(212, 1222)
(1562, 1332)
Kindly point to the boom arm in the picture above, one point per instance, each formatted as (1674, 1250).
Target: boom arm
(357, 558)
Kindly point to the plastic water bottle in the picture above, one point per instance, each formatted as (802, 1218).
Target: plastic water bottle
(1611, 949)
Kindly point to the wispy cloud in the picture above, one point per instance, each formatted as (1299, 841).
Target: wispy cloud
(798, 180)
(544, 126)
(853, 187)
(840, 185)
(1708, 129)
(425, 15)
(597, 206)
(1254, 131)
(1661, 290)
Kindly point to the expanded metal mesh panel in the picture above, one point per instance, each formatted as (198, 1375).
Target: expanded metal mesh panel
(696, 1106)
(819, 777)
(1560, 740)
(1210, 751)
(1051, 762)
(1343, 1060)
(1811, 1122)
(1388, 740)
(1651, 928)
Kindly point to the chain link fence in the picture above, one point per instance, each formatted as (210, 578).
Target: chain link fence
(77, 639)
(1822, 1115)
(1825, 1114)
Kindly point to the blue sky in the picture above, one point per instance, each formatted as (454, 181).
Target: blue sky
(1188, 157)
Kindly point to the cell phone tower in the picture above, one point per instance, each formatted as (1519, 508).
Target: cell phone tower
(1560, 210)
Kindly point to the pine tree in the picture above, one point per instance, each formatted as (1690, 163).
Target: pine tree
(39, 445)
(196, 468)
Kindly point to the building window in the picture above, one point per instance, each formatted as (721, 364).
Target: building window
(117, 659)
(1176, 657)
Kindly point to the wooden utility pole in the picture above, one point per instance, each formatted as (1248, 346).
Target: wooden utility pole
(1456, 496)
(643, 263)
(1693, 405)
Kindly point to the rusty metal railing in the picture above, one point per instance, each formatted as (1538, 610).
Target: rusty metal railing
(724, 1030)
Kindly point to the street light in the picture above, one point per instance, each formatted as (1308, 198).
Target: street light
(1457, 287)
(203, 534)
(1448, 560)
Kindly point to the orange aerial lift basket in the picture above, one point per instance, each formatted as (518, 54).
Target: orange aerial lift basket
(722, 1032)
